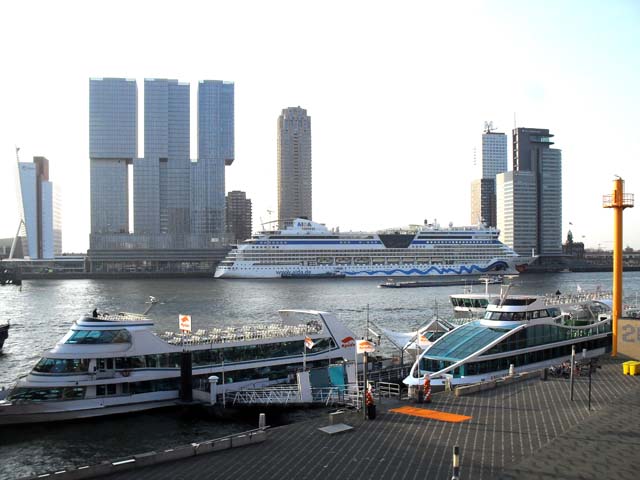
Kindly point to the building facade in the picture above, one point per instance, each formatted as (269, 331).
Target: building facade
(294, 165)
(41, 210)
(161, 180)
(216, 149)
(113, 144)
(238, 216)
(483, 190)
(529, 199)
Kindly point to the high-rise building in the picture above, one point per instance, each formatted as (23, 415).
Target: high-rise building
(215, 150)
(517, 214)
(113, 144)
(41, 210)
(540, 168)
(161, 180)
(238, 216)
(493, 162)
(294, 164)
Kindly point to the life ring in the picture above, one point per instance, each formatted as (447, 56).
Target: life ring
(126, 373)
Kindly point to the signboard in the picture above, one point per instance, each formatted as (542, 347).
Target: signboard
(185, 323)
(365, 346)
(629, 337)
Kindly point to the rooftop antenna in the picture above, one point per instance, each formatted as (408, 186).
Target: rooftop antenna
(488, 127)
(515, 124)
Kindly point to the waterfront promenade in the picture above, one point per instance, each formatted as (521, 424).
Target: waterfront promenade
(523, 430)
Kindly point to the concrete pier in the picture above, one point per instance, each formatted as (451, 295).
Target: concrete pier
(523, 430)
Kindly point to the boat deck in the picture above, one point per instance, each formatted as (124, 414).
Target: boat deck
(527, 430)
(238, 334)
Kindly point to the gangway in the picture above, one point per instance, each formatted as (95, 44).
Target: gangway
(292, 395)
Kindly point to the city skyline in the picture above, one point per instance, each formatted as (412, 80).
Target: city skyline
(398, 97)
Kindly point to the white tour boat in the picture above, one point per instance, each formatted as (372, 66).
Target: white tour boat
(527, 331)
(306, 249)
(116, 363)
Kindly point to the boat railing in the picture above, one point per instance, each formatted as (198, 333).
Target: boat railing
(238, 334)
(579, 297)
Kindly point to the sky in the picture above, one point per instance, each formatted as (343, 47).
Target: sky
(398, 93)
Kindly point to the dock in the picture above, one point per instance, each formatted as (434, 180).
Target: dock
(523, 430)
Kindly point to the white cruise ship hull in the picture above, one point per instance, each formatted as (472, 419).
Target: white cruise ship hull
(241, 269)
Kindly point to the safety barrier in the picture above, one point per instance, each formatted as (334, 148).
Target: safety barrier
(498, 382)
(388, 389)
(142, 460)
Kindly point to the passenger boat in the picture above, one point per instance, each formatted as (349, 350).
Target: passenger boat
(4, 334)
(527, 331)
(307, 248)
(116, 363)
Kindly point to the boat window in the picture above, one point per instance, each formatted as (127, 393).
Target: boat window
(47, 394)
(62, 365)
(99, 336)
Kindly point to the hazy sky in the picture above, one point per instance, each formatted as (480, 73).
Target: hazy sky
(398, 93)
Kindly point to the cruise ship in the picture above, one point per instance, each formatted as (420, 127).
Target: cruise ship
(307, 249)
(529, 332)
(113, 364)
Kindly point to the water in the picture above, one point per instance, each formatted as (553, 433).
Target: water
(42, 311)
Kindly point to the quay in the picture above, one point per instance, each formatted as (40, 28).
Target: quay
(522, 430)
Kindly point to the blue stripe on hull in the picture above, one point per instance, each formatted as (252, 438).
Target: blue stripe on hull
(463, 270)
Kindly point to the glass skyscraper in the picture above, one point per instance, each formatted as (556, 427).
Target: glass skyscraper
(215, 150)
(177, 203)
(161, 178)
(113, 144)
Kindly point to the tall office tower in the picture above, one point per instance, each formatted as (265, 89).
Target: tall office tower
(161, 179)
(113, 144)
(238, 215)
(517, 215)
(532, 152)
(41, 210)
(215, 150)
(493, 162)
(294, 164)
(483, 201)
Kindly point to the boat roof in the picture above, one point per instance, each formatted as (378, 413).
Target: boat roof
(465, 340)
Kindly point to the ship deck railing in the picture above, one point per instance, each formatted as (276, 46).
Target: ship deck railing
(291, 394)
(575, 298)
(237, 334)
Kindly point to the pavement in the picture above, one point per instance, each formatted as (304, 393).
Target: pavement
(523, 430)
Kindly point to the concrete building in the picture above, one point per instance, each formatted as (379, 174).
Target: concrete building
(294, 165)
(529, 199)
(238, 216)
(493, 162)
(517, 213)
(483, 201)
(41, 210)
(113, 144)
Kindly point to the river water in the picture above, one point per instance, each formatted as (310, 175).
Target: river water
(42, 311)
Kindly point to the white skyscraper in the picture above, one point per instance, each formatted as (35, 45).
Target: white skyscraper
(41, 210)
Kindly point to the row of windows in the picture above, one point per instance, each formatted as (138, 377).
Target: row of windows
(501, 364)
(99, 337)
(517, 316)
(200, 358)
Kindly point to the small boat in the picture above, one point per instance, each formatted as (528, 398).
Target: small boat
(9, 276)
(4, 334)
(110, 364)
(391, 283)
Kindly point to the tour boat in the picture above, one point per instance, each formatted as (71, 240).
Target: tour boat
(116, 363)
(527, 331)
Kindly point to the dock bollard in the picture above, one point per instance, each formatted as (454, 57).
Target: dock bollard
(456, 463)
(262, 421)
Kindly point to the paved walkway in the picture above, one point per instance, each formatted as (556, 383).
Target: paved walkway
(521, 431)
